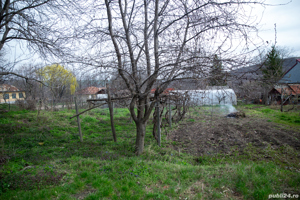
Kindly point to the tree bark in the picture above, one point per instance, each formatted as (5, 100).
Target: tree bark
(111, 113)
(155, 122)
(140, 136)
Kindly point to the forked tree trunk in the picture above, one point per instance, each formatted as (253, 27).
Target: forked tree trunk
(140, 136)
(140, 117)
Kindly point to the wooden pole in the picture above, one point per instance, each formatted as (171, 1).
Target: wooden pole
(170, 113)
(281, 103)
(111, 113)
(158, 124)
(78, 121)
(96, 106)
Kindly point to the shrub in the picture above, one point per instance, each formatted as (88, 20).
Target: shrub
(26, 104)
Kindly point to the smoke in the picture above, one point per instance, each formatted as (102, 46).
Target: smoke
(227, 108)
(230, 108)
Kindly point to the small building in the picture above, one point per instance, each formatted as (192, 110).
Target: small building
(9, 94)
(288, 86)
(288, 93)
(91, 93)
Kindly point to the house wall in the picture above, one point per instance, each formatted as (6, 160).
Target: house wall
(82, 97)
(11, 99)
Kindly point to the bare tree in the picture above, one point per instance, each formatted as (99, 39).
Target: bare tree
(32, 88)
(153, 43)
(34, 21)
(42, 25)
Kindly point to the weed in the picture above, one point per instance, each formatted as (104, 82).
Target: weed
(47, 160)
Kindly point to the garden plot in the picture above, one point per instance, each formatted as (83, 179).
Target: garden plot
(216, 134)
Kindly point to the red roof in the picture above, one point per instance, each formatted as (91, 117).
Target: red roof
(165, 92)
(292, 89)
(90, 90)
(8, 88)
(296, 89)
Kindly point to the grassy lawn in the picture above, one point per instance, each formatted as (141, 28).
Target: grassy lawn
(273, 113)
(42, 158)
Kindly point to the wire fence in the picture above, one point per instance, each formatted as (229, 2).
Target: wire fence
(44, 104)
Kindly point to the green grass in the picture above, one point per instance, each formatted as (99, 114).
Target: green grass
(47, 161)
(273, 113)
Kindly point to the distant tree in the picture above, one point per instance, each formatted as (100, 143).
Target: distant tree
(32, 88)
(216, 74)
(58, 79)
(36, 24)
(272, 71)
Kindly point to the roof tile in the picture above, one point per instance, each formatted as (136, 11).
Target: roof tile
(8, 88)
(89, 90)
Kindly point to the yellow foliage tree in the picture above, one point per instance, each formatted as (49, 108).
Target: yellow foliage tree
(58, 79)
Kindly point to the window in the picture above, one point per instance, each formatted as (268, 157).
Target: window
(21, 95)
(14, 95)
(6, 96)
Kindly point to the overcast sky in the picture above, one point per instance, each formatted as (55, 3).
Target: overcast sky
(287, 19)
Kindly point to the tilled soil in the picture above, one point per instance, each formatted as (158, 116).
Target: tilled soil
(223, 135)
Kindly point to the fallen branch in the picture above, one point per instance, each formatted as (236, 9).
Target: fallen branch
(87, 110)
(290, 108)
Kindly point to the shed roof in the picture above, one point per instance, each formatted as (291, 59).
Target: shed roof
(8, 88)
(166, 91)
(89, 90)
(292, 75)
(290, 89)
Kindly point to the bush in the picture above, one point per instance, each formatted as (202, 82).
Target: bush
(26, 104)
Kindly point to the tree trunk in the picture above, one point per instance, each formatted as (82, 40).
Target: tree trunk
(154, 131)
(155, 122)
(111, 113)
(140, 136)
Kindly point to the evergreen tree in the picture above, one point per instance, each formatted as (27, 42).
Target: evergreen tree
(217, 75)
(273, 66)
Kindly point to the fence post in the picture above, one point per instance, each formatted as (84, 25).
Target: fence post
(281, 103)
(78, 121)
(158, 124)
(170, 113)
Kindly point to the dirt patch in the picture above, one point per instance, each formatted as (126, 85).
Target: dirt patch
(83, 194)
(225, 135)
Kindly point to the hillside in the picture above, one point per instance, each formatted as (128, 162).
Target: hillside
(253, 72)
